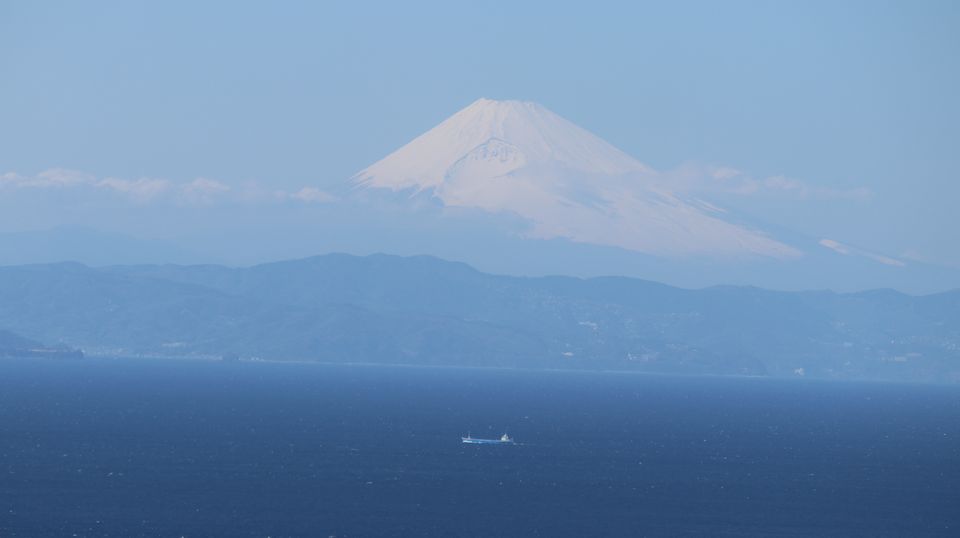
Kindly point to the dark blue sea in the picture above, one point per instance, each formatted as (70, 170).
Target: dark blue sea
(130, 448)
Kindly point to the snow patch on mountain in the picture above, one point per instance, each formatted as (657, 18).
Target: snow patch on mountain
(848, 250)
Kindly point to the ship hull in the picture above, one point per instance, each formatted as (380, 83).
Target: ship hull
(472, 441)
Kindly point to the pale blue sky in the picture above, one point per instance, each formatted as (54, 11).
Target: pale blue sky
(841, 97)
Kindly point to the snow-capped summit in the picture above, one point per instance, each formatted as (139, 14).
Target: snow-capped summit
(505, 134)
(519, 157)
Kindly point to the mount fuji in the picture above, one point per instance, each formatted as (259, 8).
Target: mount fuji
(519, 158)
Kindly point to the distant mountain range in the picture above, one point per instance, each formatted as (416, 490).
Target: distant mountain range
(423, 310)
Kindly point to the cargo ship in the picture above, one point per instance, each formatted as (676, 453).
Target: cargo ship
(503, 440)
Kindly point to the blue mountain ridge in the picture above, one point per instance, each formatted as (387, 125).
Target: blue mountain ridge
(424, 310)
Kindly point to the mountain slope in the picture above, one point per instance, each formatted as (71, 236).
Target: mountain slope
(520, 158)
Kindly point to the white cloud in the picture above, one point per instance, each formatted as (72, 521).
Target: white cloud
(202, 190)
(202, 185)
(310, 195)
(723, 179)
(313, 195)
(52, 178)
(142, 190)
(199, 191)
